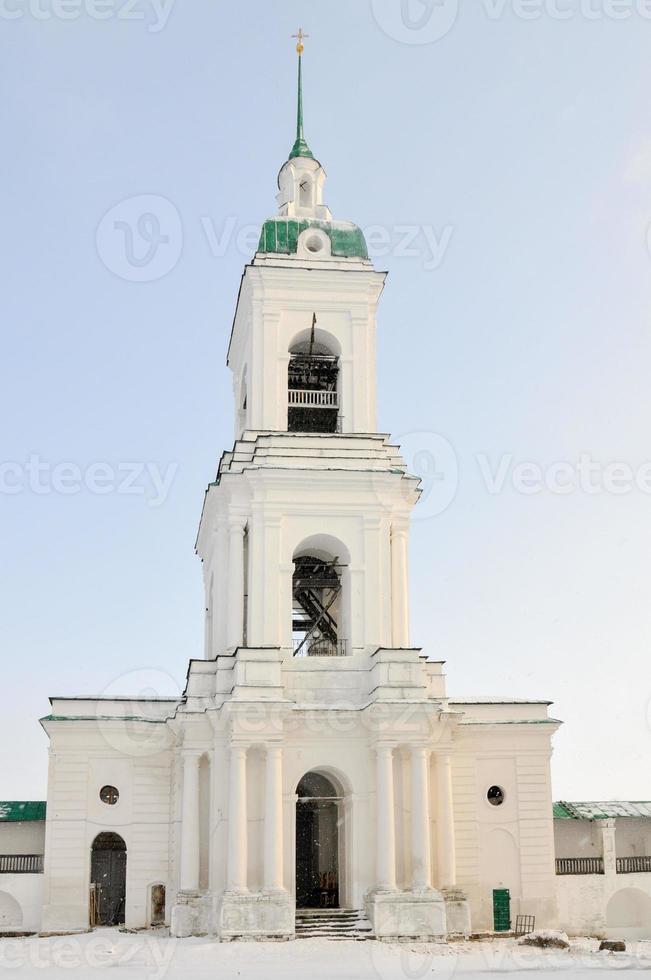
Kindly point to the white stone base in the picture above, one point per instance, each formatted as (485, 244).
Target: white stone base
(457, 912)
(256, 915)
(192, 915)
(408, 915)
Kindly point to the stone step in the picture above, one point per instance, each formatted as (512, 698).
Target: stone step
(334, 924)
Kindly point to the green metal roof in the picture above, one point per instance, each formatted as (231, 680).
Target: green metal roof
(280, 236)
(601, 811)
(16, 811)
(300, 147)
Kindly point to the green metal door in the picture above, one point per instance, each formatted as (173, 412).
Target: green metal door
(501, 910)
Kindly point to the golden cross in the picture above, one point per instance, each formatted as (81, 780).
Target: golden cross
(300, 47)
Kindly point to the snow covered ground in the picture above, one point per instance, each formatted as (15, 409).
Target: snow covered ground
(154, 956)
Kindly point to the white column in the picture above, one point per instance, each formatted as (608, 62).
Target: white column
(447, 872)
(421, 870)
(235, 586)
(386, 829)
(609, 852)
(237, 821)
(273, 820)
(190, 822)
(220, 596)
(399, 587)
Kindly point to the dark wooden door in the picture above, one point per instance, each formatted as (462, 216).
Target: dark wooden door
(109, 875)
(501, 910)
(317, 854)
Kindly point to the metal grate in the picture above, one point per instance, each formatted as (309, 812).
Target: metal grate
(524, 924)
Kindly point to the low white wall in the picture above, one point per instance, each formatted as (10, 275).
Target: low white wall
(605, 906)
(21, 902)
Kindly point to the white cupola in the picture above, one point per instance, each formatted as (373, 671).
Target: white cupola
(302, 178)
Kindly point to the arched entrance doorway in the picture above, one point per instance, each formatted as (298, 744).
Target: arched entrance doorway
(317, 843)
(108, 880)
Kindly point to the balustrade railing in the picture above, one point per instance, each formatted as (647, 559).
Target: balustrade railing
(321, 648)
(633, 865)
(21, 864)
(580, 866)
(301, 398)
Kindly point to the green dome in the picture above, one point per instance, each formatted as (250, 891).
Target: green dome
(280, 236)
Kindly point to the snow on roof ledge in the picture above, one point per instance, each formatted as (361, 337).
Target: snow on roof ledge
(601, 810)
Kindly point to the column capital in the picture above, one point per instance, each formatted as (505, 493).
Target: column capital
(399, 529)
(239, 747)
(237, 525)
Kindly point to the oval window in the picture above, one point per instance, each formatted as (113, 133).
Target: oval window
(495, 796)
(109, 795)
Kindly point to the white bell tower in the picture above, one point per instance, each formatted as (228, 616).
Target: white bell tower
(304, 532)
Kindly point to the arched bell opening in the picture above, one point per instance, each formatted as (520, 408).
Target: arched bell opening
(319, 828)
(108, 880)
(313, 385)
(317, 606)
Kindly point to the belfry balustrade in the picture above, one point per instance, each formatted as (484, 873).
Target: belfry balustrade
(313, 396)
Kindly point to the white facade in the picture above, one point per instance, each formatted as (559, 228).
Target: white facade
(207, 786)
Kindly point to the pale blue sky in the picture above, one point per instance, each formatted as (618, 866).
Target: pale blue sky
(528, 140)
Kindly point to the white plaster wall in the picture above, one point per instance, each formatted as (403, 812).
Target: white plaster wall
(633, 837)
(22, 837)
(276, 304)
(577, 838)
(84, 757)
(611, 906)
(510, 846)
(21, 902)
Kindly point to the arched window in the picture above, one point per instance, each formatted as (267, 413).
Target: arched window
(317, 607)
(313, 395)
(305, 193)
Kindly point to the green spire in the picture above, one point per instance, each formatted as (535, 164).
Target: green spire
(300, 147)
